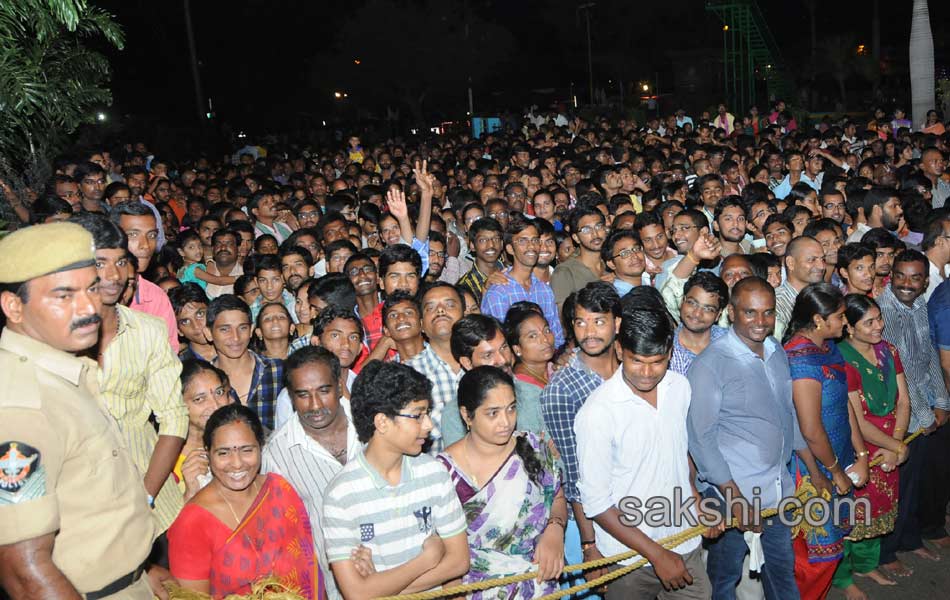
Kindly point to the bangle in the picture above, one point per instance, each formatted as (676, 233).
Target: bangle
(833, 465)
(862, 454)
(692, 259)
(588, 546)
(558, 521)
(587, 543)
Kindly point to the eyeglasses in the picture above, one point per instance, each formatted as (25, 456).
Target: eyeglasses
(437, 254)
(523, 242)
(484, 241)
(427, 414)
(499, 215)
(832, 205)
(365, 269)
(309, 214)
(628, 252)
(708, 309)
(588, 229)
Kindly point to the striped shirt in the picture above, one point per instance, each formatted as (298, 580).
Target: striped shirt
(140, 377)
(445, 385)
(393, 521)
(310, 467)
(908, 328)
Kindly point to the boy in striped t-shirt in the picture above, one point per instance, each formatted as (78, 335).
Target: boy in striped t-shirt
(392, 521)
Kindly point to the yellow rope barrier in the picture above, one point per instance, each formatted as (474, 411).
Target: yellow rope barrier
(668, 543)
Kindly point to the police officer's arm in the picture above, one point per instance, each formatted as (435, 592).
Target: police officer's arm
(27, 571)
(164, 398)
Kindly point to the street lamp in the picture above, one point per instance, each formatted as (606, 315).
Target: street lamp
(101, 117)
(646, 87)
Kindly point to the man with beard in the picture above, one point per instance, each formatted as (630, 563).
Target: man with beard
(886, 246)
(595, 322)
(523, 244)
(138, 374)
(588, 230)
(804, 264)
(656, 242)
(437, 256)
(309, 450)
(142, 230)
(705, 296)
(224, 248)
(882, 208)
(295, 265)
(207, 226)
(548, 251)
(54, 433)
(729, 225)
(924, 482)
(742, 432)
(442, 307)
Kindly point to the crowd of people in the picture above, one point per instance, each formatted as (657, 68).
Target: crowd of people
(363, 371)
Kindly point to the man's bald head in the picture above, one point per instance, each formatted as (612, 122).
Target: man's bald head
(748, 285)
(804, 261)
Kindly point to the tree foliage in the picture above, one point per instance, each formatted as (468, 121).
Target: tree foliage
(50, 80)
(409, 49)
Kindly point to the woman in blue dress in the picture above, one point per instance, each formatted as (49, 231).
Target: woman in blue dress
(835, 456)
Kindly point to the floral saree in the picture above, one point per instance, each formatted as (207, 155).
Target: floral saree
(505, 517)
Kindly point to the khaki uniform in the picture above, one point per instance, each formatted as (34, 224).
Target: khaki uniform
(65, 470)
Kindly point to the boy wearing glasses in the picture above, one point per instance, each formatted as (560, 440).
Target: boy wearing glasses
(393, 523)
(623, 254)
(588, 230)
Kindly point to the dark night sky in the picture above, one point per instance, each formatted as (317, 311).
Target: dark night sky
(256, 54)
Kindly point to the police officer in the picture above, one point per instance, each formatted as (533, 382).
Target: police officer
(74, 516)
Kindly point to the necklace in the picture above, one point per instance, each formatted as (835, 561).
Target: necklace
(543, 378)
(228, 504)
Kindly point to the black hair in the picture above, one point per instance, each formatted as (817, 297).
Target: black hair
(471, 330)
(878, 237)
(48, 205)
(401, 296)
(598, 297)
(646, 332)
(856, 306)
(288, 250)
(877, 196)
(225, 231)
(517, 314)
(474, 387)
(934, 230)
(725, 202)
(334, 246)
(517, 224)
(233, 413)
(224, 303)
(852, 252)
(105, 233)
(309, 355)
(823, 224)
(760, 262)
(261, 239)
(385, 388)
(327, 219)
(185, 294)
(335, 289)
(607, 250)
(398, 253)
(711, 283)
(193, 367)
(131, 208)
(329, 314)
(815, 299)
(484, 224)
(241, 283)
(910, 255)
(581, 211)
(266, 262)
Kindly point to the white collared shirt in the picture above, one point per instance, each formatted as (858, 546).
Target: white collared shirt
(627, 448)
(936, 278)
(309, 468)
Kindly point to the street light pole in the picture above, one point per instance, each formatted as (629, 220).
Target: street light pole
(590, 61)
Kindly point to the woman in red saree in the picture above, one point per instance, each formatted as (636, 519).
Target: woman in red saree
(243, 526)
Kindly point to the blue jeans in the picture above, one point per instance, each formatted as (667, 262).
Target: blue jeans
(724, 564)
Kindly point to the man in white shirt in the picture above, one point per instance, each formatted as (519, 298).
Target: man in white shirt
(632, 446)
(310, 449)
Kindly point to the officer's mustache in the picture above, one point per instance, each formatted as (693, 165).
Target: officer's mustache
(85, 321)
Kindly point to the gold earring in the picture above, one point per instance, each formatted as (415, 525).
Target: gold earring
(818, 328)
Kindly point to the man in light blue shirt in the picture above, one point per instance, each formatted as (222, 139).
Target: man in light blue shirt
(742, 431)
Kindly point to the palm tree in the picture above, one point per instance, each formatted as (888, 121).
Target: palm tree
(50, 82)
(921, 63)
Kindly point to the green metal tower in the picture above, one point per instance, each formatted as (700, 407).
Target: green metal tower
(749, 53)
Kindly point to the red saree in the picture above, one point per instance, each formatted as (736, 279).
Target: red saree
(274, 539)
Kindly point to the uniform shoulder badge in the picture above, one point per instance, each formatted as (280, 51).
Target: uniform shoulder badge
(22, 477)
